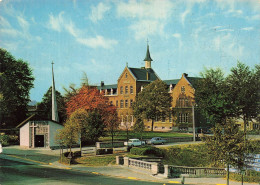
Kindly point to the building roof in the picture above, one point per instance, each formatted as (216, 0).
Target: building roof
(141, 74)
(34, 117)
(194, 81)
(112, 86)
(148, 57)
(173, 81)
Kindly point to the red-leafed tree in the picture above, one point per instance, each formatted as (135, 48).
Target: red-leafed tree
(90, 99)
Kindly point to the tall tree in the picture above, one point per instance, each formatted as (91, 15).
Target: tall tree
(16, 80)
(90, 99)
(154, 101)
(227, 146)
(243, 92)
(45, 105)
(211, 96)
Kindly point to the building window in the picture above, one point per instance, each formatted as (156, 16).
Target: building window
(111, 102)
(183, 118)
(181, 102)
(170, 117)
(183, 89)
(131, 90)
(117, 103)
(126, 103)
(121, 103)
(126, 89)
(186, 102)
(126, 75)
(121, 90)
(156, 118)
(131, 103)
(163, 118)
(163, 127)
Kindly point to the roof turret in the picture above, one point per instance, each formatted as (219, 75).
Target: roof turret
(148, 57)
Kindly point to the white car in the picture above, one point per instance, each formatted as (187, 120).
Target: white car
(134, 142)
(1, 148)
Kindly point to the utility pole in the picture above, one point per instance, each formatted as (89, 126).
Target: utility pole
(193, 123)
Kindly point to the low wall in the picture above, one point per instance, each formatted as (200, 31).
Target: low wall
(175, 171)
(109, 144)
(168, 171)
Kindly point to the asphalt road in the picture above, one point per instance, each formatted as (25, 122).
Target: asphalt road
(17, 171)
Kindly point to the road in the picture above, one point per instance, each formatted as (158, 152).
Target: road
(18, 171)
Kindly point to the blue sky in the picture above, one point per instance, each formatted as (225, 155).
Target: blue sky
(99, 37)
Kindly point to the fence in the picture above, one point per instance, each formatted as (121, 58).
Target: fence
(173, 171)
(168, 171)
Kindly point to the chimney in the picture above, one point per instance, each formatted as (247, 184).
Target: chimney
(185, 74)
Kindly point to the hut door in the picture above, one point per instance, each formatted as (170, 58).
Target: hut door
(39, 140)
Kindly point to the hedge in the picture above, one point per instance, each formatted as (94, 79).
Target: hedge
(146, 151)
(9, 140)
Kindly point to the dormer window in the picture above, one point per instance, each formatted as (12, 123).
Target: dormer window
(183, 89)
(126, 75)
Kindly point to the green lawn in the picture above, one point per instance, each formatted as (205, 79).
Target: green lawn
(122, 135)
(103, 160)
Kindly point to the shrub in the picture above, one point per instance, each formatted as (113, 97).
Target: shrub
(77, 154)
(66, 154)
(102, 151)
(251, 176)
(4, 139)
(146, 151)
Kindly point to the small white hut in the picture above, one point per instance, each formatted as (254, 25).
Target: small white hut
(38, 132)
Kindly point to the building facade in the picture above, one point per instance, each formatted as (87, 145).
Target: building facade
(133, 80)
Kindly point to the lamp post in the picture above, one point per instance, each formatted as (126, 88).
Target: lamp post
(193, 123)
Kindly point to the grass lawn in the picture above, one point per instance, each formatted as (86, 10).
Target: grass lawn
(103, 160)
(121, 135)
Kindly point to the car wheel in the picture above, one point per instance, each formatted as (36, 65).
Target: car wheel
(162, 143)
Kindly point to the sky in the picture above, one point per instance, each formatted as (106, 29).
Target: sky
(101, 37)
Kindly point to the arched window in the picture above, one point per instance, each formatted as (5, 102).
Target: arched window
(126, 89)
(131, 89)
(121, 90)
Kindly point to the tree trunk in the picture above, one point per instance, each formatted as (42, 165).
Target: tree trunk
(227, 174)
(245, 124)
(152, 125)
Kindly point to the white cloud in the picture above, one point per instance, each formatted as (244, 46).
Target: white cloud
(228, 46)
(247, 28)
(146, 9)
(4, 22)
(223, 30)
(97, 41)
(176, 35)
(56, 23)
(23, 23)
(184, 14)
(98, 12)
(149, 17)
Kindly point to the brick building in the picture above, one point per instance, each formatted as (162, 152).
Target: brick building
(131, 82)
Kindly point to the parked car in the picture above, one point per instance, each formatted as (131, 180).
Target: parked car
(134, 142)
(1, 148)
(156, 140)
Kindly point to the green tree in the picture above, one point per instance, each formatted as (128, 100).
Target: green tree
(227, 146)
(80, 119)
(68, 135)
(153, 102)
(16, 80)
(45, 106)
(243, 92)
(139, 127)
(95, 127)
(211, 96)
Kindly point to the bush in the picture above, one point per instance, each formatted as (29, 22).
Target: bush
(184, 156)
(9, 140)
(66, 154)
(251, 176)
(77, 154)
(146, 151)
(102, 151)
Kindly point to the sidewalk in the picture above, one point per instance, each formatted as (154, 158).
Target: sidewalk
(50, 158)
